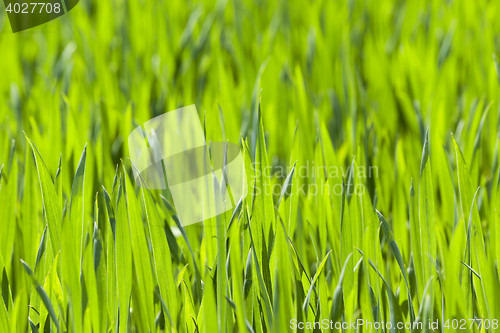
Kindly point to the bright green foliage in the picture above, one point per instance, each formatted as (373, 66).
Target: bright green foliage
(360, 203)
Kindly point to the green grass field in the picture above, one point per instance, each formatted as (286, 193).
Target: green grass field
(384, 116)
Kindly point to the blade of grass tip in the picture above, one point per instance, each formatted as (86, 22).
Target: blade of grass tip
(114, 189)
(287, 186)
(397, 254)
(140, 252)
(43, 295)
(58, 184)
(76, 211)
(318, 272)
(254, 105)
(111, 212)
(265, 229)
(51, 205)
(41, 247)
(231, 303)
(30, 225)
(426, 214)
(123, 258)
(110, 258)
(180, 276)
(236, 212)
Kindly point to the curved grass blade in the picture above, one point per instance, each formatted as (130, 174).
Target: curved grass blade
(43, 295)
(41, 247)
(397, 254)
(235, 213)
(287, 187)
(472, 270)
(337, 294)
(318, 272)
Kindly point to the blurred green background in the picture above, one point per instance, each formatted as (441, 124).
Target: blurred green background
(349, 65)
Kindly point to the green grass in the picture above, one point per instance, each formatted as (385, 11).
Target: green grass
(372, 90)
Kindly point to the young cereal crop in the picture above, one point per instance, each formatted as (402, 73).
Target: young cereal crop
(369, 136)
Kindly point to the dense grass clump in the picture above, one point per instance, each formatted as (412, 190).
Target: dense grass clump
(361, 205)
